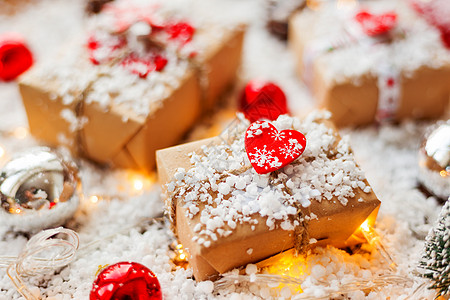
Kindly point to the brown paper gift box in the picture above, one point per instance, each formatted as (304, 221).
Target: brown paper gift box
(117, 135)
(335, 224)
(52, 103)
(425, 92)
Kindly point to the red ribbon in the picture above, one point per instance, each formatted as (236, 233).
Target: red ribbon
(15, 57)
(437, 13)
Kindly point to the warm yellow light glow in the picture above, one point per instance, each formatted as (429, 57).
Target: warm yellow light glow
(365, 226)
(443, 173)
(287, 263)
(93, 199)
(180, 257)
(138, 184)
(20, 132)
(2, 151)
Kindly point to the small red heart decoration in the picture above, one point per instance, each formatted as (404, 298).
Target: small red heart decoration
(262, 100)
(269, 149)
(124, 281)
(376, 24)
(15, 57)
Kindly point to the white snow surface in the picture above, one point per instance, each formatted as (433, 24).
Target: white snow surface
(387, 154)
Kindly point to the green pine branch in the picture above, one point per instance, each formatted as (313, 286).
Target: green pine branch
(436, 257)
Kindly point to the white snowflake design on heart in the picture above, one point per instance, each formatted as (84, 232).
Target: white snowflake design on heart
(263, 156)
(292, 149)
(278, 135)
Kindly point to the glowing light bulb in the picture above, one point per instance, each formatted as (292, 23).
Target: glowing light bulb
(20, 132)
(365, 226)
(138, 184)
(93, 199)
(2, 151)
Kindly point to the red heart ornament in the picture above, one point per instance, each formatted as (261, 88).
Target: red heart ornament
(269, 149)
(262, 100)
(15, 57)
(376, 24)
(124, 281)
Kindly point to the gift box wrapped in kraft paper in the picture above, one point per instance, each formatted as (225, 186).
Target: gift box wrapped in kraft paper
(135, 81)
(227, 215)
(376, 61)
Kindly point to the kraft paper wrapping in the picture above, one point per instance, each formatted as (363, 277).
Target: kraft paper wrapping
(334, 225)
(424, 94)
(118, 136)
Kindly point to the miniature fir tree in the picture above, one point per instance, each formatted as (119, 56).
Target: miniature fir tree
(436, 258)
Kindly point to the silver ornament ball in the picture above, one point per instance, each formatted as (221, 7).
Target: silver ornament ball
(38, 189)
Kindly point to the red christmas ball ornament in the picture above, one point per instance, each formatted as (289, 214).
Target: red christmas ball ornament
(126, 281)
(376, 24)
(269, 149)
(15, 57)
(262, 100)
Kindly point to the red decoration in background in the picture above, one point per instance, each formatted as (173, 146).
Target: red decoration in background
(103, 51)
(181, 31)
(262, 100)
(126, 281)
(15, 57)
(143, 66)
(376, 24)
(105, 47)
(437, 13)
(269, 149)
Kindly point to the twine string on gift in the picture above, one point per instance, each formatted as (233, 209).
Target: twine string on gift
(301, 235)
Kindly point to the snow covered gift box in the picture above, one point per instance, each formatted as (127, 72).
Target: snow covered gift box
(375, 61)
(135, 82)
(227, 213)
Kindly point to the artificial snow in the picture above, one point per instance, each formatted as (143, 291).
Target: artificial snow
(117, 226)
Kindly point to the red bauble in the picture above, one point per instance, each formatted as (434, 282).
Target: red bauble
(181, 31)
(15, 57)
(262, 100)
(269, 149)
(376, 24)
(126, 281)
